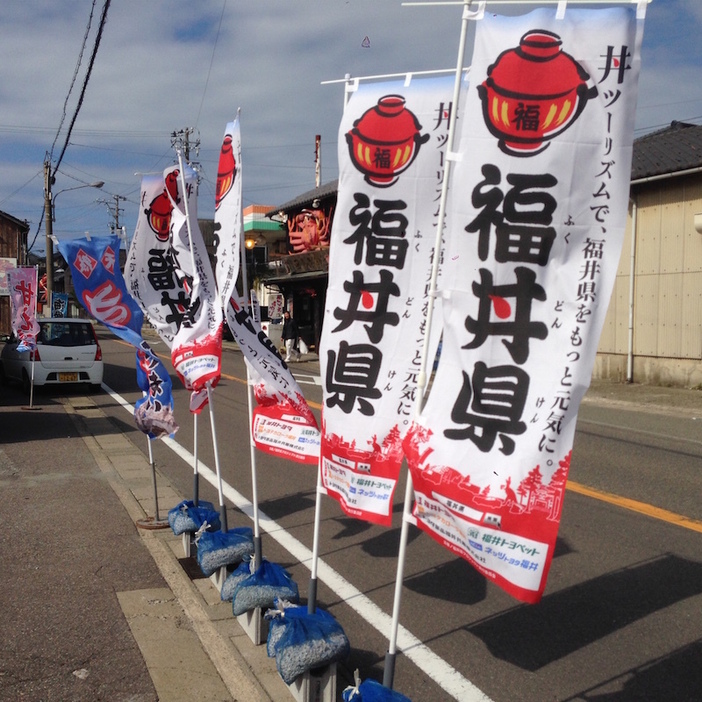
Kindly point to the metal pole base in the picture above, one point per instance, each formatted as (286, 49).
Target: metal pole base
(312, 597)
(258, 552)
(389, 671)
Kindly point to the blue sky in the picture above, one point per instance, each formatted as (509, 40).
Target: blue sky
(164, 65)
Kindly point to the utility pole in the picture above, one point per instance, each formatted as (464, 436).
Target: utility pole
(181, 138)
(49, 198)
(318, 160)
(49, 227)
(114, 213)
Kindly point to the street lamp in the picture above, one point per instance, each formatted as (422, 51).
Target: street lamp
(49, 217)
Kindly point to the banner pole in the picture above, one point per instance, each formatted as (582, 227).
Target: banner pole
(222, 508)
(196, 465)
(389, 669)
(312, 592)
(31, 383)
(33, 352)
(258, 554)
(157, 517)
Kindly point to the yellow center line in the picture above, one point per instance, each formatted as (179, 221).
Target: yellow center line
(624, 502)
(636, 506)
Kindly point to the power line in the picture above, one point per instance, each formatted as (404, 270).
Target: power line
(96, 46)
(75, 75)
(209, 70)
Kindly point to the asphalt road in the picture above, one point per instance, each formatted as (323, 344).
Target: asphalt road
(621, 616)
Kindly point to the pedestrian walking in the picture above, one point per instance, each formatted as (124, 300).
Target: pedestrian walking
(291, 335)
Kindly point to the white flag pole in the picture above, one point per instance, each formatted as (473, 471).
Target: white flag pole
(33, 351)
(349, 86)
(222, 508)
(258, 554)
(31, 382)
(407, 518)
(196, 466)
(321, 490)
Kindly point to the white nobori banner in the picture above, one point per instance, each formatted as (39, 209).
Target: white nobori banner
(535, 222)
(392, 151)
(282, 424)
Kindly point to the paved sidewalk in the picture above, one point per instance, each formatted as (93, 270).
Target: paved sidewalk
(97, 609)
(94, 607)
(636, 396)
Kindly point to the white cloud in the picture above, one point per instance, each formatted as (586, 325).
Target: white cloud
(150, 78)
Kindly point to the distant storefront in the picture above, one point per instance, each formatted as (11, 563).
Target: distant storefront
(303, 273)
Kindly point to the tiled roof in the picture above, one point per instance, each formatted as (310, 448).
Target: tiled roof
(306, 199)
(17, 222)
(667, 151)
(664, 152)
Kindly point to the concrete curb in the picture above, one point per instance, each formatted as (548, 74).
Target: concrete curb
(245, 670)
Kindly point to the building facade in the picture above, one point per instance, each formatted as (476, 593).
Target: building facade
(653, 329)
(13, 253)
(302, 274)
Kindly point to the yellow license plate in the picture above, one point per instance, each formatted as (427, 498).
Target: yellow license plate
(68, 377)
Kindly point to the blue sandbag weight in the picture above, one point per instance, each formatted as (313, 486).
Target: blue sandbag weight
(372, 691)
(260, 589)
(302, 641)
(222, 548)
(242, 571)
(185, 517)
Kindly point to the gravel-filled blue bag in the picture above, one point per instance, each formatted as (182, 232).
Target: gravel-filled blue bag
(221, 548)
(186, 517)
(277, 620)
(301, 641)
(261, 589)
(371, 691)
(242, 571)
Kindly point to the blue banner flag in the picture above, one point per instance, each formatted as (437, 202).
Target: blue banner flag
(100, 288)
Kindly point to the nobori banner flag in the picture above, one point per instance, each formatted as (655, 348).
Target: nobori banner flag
(281, 408)
(174, 286)
(229, 220)
(150, 271)
(535, 222)
(197, 347)
(283, 424)
(101, 289)
(22, 284)
(392, 148)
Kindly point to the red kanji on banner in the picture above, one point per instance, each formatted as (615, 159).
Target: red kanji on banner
(85, 264)
(108, 260)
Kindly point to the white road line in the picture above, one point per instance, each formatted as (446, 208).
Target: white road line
(307, 379)
(443, 674)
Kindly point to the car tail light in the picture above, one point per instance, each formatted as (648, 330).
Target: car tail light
(98, 350)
